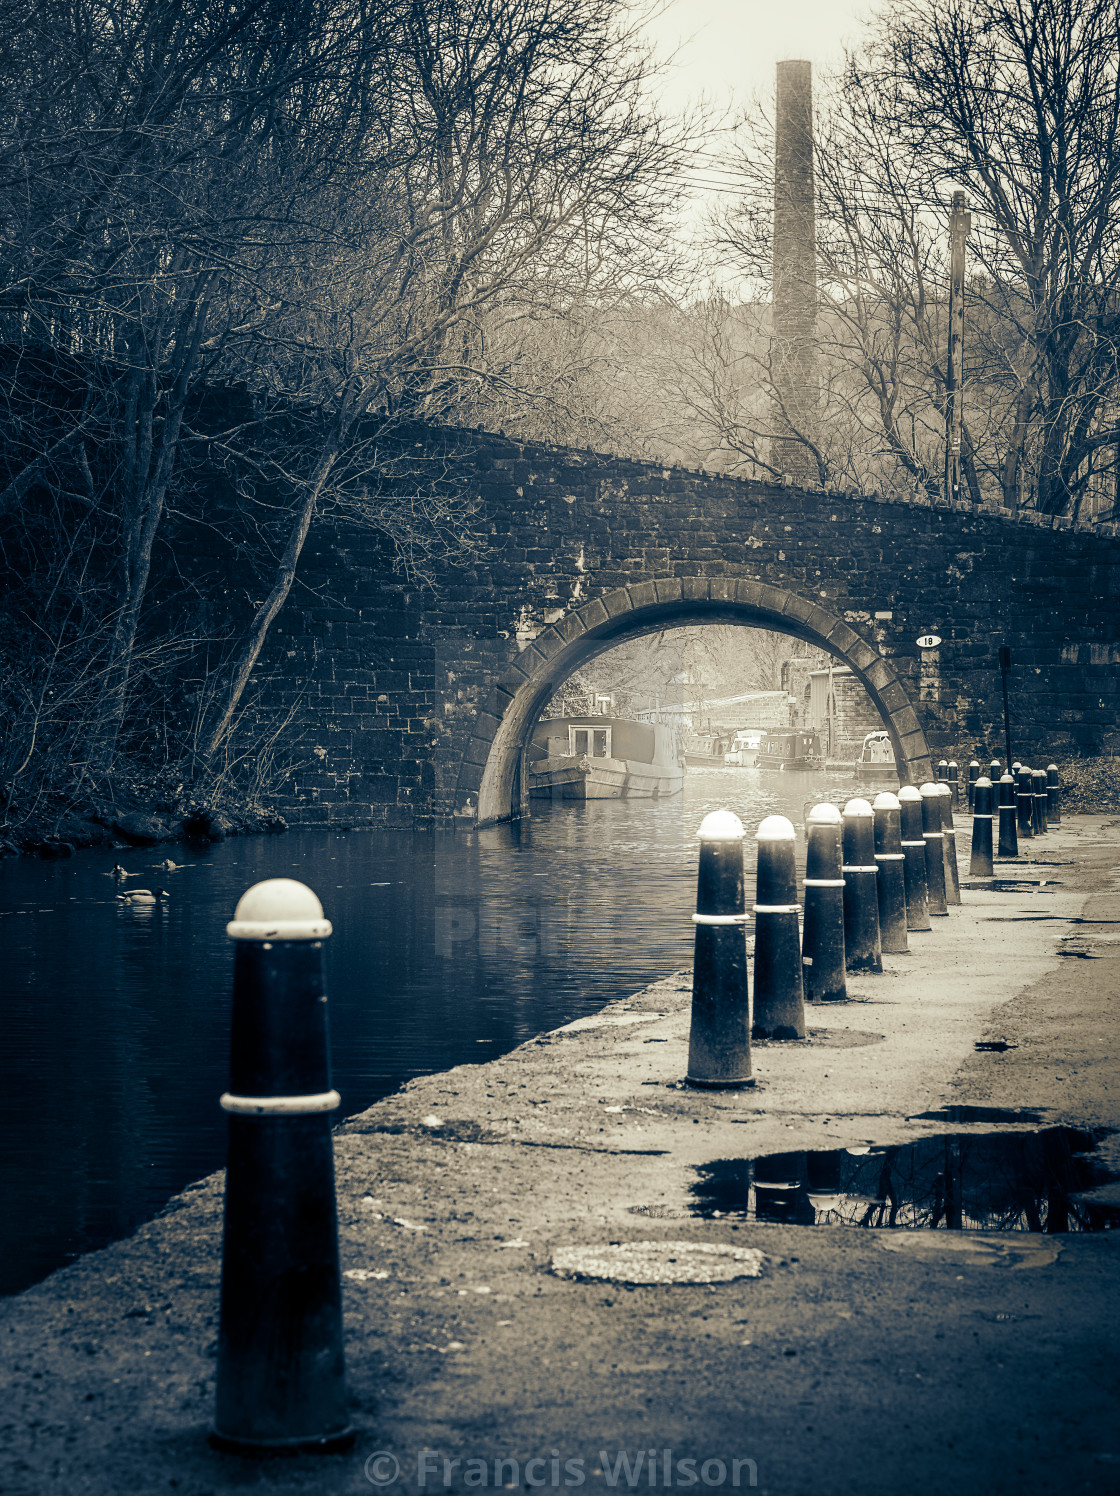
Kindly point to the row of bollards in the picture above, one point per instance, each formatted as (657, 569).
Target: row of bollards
(1017, 805)
(873, 875)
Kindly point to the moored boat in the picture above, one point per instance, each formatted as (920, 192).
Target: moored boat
(706, 750)
(876, 760)
(745, 747)
(792, 749)
(602, 758)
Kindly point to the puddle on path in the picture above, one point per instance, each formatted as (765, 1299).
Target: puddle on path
(995, 1181)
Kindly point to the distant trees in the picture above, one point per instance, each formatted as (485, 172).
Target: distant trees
(1018, 102)
(347, 214)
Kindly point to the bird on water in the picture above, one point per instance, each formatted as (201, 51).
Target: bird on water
(140, 897)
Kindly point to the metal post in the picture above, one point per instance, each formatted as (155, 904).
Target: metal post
(960, 222)
(719, 1046)
(779, 993)
(1004, 667)
(822, 942)
(281, 1384)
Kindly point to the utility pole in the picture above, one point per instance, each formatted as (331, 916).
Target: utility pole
(960, 222)
(1004, 667)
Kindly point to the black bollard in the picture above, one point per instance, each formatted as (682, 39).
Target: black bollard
(719, 1042)
(949, 847)
(281, 1381)
(1038, 786)
(935, 855)
(943, 771)
(890, 881)
(914, 866)
(779, 998)
(1008, 836)
(954, 779)
(973, 776)
(822, 939)
(980, 865)
(862, 946)
(1053, 795)
(1025, 802)
(995, 772)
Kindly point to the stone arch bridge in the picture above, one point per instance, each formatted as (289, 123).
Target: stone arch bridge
(412, 706)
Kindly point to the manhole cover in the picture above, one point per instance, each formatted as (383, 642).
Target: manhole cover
(836, 1038)
(658, 1262)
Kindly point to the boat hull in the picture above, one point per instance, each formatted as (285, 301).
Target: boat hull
(568, 778)
(878, 773)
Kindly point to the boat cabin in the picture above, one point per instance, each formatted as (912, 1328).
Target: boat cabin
(602, 737)
(790, 750)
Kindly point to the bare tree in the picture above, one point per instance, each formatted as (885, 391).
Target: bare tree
(1017, 101)
(516, 165)
(154, 166)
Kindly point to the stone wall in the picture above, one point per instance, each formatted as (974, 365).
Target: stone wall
(408, 704)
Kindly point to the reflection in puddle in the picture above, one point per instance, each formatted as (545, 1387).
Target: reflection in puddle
(1008, 1181)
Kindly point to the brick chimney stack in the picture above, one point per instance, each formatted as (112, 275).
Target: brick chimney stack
(794, 287)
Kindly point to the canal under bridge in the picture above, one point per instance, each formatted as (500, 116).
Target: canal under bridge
(411, 705)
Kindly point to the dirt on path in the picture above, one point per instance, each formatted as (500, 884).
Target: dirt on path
(858, 1360)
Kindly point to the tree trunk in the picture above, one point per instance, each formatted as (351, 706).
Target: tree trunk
(147, 485)
(262, 619)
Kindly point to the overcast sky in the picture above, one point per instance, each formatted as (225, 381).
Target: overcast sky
(728, 48)
(726, 52)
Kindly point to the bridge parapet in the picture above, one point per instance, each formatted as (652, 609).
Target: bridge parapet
(411, 707)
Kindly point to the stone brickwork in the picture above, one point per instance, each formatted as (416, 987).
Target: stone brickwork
(407, 706)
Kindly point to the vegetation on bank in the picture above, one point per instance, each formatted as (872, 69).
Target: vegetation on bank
(1090, 786)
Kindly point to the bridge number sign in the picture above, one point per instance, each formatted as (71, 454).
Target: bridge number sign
(929, 641)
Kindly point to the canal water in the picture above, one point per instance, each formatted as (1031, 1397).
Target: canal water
(448, 949)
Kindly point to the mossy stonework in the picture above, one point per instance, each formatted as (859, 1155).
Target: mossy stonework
(412, 705)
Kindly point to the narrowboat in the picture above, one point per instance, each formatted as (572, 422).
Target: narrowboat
(602, 758)
(706, 750)
(793, 749)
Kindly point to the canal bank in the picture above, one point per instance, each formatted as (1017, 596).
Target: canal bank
(857, 1360)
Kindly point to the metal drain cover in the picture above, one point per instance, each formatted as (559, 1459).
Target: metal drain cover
(658, 1262)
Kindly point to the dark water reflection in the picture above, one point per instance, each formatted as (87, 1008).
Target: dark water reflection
(1005, 1181)
(448, 949)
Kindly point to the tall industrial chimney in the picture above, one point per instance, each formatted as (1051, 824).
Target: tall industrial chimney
(794, 290)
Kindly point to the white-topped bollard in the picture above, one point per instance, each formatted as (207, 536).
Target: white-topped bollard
(949, 846)
(822, 940)
(935, 854)
(981, 864)
(719, 1043)
(890, 880)
(1008, 845)
(862, 947)
(914, 866)
(281, 1382)
(779, 996)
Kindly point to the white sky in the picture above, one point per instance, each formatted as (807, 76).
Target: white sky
(726, 52)
(728, 49)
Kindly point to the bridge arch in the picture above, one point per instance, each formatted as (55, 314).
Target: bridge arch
(488, 776)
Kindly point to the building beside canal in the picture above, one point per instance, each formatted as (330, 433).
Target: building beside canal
(830, 699)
